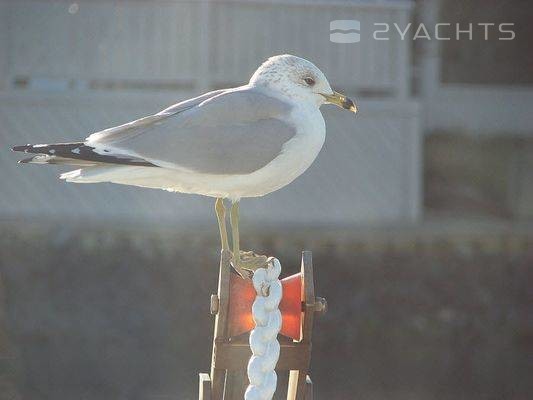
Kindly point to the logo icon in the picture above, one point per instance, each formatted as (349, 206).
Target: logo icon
(345, 31)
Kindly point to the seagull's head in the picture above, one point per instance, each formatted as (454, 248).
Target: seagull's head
(299, 80)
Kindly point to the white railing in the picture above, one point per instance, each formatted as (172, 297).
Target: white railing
(195, 44)
(168, 44)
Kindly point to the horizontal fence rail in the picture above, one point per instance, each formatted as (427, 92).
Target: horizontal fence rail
(194, 44)
(368, 170)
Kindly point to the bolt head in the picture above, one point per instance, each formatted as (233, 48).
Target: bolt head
(321, 305)
(214, 304)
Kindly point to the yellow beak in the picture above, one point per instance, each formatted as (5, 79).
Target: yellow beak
(340, 100)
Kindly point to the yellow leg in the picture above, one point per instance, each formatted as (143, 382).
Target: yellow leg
(243, 262)
(221, 217)
(234, 220)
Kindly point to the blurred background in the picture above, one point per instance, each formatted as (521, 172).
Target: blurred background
(418, 212)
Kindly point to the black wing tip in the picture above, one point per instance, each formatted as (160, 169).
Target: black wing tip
(21, 148)
(84, 152)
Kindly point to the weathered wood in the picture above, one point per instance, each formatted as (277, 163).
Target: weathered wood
(204, 387)
(218, 375)
(294, 391)
(236, 384)
(308, 388)
(308, 295)
(297, 376)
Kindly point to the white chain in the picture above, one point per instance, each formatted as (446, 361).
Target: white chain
(263, 338)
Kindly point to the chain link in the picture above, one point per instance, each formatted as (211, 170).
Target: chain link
(263, 338)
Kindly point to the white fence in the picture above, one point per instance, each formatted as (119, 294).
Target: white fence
(144, 55)
(194, 44)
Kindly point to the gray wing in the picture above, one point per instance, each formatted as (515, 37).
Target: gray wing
(117, 133)
(233, 132)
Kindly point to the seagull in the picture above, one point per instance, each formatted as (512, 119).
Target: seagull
(228, 144)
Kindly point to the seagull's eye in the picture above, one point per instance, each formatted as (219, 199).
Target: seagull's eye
(309, 81)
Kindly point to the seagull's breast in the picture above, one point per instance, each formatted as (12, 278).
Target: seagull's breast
(296, 156)
(304, 147)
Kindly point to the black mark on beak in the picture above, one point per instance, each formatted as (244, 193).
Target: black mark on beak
(348, 104)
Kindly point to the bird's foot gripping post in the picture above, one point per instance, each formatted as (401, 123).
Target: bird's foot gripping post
(247, 263)
(242, 305)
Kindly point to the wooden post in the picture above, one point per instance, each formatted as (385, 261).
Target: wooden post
(218, 375)
(204, 389)
(297, 378)
(228, 379)
(235, 385)
(308, 388)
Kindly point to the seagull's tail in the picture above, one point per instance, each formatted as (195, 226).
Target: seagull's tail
(93, 174)
(123, 174)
